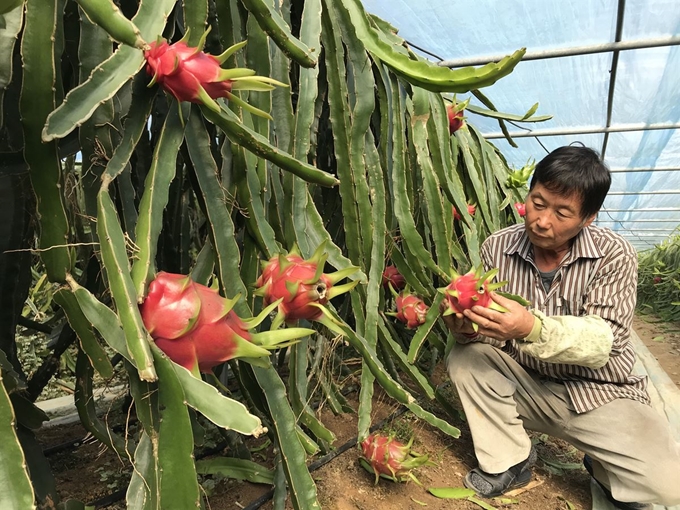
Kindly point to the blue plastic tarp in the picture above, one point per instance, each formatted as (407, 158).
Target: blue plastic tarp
(644, 204)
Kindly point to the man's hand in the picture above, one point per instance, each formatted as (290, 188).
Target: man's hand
(456, 322)
(515, 323)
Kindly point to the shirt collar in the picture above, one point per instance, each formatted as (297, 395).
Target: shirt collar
(584, 246)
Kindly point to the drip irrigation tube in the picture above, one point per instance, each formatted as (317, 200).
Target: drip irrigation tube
(254, 505)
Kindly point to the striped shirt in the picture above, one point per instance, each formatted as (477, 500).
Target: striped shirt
(598, 276)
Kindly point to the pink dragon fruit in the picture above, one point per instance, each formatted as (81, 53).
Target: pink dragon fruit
(521, 209)
(455, 114)
(471, 289)
(300, 285)
(190, 74)
(392, 276)
(386, 457)
(472, 209)
(197, 328)
(411, 310)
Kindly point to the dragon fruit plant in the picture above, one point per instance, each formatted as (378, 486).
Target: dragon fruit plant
(300, 286)
(411, 310)
(391, 277)
(388, 458)
(197, 328)
(190, 74)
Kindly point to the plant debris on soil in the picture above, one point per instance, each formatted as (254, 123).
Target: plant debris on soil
(88, 471)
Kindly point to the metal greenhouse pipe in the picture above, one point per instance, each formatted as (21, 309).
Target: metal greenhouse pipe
(655, 192)
(638, 231)
(621, 128)
(634, 44)
(650, 209)
(652, 220)
(612, 75)
(642, 169)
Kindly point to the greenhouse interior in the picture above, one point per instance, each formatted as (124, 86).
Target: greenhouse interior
(340, 254)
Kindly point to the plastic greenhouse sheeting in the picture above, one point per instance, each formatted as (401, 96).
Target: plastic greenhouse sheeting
(644, 201)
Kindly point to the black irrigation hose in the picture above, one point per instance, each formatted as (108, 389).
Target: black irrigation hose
(109, 500)
(254, 505)
(76, 443)
(114, 497)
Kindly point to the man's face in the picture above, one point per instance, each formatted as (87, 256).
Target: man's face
(553, 220)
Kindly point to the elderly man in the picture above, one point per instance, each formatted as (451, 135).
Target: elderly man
(563, 366)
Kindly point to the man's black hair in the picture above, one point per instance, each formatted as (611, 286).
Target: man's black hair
(576, 170)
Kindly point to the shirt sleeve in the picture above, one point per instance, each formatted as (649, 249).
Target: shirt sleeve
(584, 341)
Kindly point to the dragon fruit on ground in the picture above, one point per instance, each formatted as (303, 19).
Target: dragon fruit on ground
(190, 74)
(385, 456)
(411, 310)
(391, 275)
(197, 328)
(300, 285)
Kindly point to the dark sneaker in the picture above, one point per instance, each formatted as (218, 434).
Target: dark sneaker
(619, 505)
(492, 485)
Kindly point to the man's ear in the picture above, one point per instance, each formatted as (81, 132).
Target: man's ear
(588, 221)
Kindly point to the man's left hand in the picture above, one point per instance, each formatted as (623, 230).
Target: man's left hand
(515, 323)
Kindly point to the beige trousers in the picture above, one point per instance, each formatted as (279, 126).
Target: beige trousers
(633, 451)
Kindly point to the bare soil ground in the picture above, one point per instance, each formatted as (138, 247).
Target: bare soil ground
(88, 472)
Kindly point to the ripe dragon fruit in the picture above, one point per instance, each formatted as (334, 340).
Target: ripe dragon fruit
(411, 310)
(471, 208)
(471, 289)
(455, 114)
(190, 74)
(197, 328)
(300, 285)
(386, 457)
(392, 276)
(521, 209)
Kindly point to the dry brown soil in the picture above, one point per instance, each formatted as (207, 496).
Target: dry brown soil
(88, 472)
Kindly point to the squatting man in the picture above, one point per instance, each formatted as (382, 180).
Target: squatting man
(564, 365)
